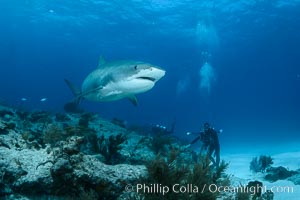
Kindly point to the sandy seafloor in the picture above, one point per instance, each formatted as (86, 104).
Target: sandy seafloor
(286, 155)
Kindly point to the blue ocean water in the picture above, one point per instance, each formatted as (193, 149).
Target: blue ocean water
(251, 47)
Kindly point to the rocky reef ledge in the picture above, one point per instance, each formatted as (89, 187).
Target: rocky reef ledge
(36, 162)
(62, 156)
(61, 170)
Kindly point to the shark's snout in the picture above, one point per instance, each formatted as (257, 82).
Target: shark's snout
(152, 74)
(157, 73)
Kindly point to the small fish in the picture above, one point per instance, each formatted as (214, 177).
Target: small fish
(23, 99)
(43, 99)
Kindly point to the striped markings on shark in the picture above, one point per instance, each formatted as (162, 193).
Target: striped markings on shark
(116, 80)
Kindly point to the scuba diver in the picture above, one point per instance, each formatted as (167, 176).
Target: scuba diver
(209, 137)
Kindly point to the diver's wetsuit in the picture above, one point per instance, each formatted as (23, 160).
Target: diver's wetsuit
(211, 144)
(214, 146)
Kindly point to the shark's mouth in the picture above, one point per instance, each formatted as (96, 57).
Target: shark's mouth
(147, 78)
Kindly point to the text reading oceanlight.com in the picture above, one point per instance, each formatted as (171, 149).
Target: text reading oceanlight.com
(212, 188)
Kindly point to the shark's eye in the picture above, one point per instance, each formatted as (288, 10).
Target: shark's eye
(135, 67)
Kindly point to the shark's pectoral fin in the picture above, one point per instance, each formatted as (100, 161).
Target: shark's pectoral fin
(133, 100)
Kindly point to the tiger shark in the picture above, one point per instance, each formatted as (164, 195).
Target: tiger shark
(116, 80)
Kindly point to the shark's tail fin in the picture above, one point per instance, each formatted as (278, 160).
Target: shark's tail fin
(76, 91)
(73, 106)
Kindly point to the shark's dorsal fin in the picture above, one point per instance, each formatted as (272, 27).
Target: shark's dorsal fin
(101, 61)
(133, 100)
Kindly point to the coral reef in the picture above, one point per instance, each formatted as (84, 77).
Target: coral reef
(295, 178)
(255, 187)
(264, 164)
(62, 170)
(261, 164)
(108, 147)
(59, 117)
(85, 119)
(81, 156)
(40, 117)
(119, 122)
(194, 176)
(5, 126)
(159, 143)
(278, 173)
(268, 195)
(254, 191)
(136, 149)
(52, 134)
